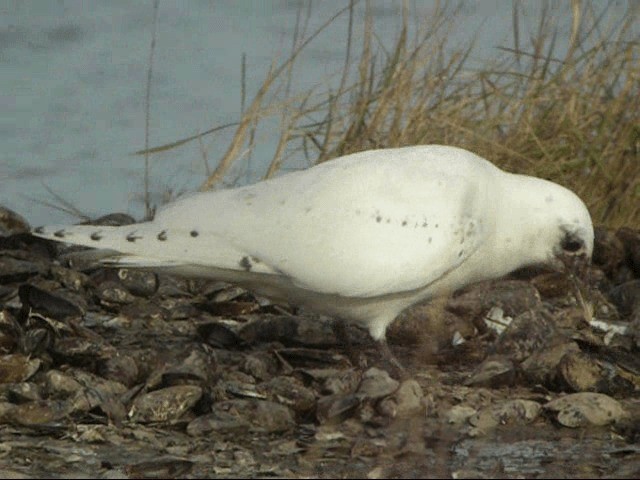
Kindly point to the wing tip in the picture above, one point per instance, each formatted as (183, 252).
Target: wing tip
(74, 234)
(50, 232)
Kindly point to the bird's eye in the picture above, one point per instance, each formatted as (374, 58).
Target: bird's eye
(571, 245)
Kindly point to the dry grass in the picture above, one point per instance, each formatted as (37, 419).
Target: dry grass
(570, 116)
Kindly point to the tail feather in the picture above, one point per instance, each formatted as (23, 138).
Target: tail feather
(148, 245)
(121, 239)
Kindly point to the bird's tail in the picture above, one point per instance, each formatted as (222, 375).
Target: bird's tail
(149, 245)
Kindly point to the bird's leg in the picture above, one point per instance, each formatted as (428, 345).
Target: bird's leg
(340, 331)
(391, 359)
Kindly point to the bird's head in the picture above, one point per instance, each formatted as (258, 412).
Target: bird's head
(554, 225)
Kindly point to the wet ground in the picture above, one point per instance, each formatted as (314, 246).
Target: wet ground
(124, 374)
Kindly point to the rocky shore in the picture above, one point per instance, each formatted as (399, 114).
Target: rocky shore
(116, 373)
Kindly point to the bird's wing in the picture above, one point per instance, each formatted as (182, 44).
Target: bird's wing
(356, 229)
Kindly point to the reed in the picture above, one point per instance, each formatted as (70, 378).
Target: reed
(571, 115)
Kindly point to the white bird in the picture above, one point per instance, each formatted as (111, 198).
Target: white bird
(361, 237)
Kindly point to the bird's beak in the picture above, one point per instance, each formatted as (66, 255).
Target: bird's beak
(574, 262)
(572, 255)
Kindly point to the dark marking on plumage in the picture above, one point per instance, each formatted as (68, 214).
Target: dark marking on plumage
(404, 223)
(59, 234)
(194, 233)
(132, 237)
(436, 225)
(460, 253)
(96, 236)
(246, 264)
(378, 219)
(39, 230)
(388, 220)
(430, 239)
(255, 260)
(162, 236)
(425, 224)
(571, 243)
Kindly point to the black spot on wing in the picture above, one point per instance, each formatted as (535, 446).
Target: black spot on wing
(132, 237)
(96, 236)
(59, 234)
(39, 229)
(162, 236)
(194, 233)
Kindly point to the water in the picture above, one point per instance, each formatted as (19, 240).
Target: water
(73, 80)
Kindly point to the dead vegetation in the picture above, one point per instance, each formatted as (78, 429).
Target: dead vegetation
(569, 113)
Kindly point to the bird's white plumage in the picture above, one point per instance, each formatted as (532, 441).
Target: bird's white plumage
(361, 237)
